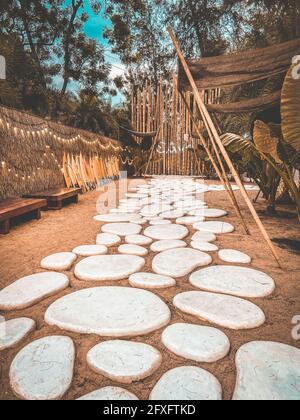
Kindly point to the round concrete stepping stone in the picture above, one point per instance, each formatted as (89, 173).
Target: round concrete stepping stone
(43, 370)
(164, 232)
(174, 214)
(187, 383)
(116, 218)
(214, 227)
(233, 256)
(62, 261)
(138, 240)
(267, 371)
(189, 220)
(140, 222)
(195, 342)
(204, 237)
(227, 311)
(124, 361)
(122, 229)
(210, 213)
(112, 393)
(108, 267)
(109, 312)
(108, 239)
(151, 281)
(204, 246)
(179, 262)
(156, 209)
(90, 250)
(130, 249)
(12, 332)
(165, 245)
(159, 222)
(29, 290)
(237, 281)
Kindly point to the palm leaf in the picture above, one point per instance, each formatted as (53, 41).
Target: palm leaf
(290, 108)
(264, 141)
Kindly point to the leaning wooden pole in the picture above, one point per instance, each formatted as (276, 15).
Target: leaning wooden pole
(210, 125)
(152, 151)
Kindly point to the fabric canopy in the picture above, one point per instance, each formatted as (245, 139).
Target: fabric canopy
(139, 134)
(241, 68)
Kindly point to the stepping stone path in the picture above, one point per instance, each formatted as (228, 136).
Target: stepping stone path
(130, 249)
(204, 237)
(90, 250)
(29, 290)
(43, 370)
(187, 383)
(233, 256)
(12, 332)
(209, 213)
(138, 240)
(204, 246)
(174, 214)
(122, 229)
(112, 393)
(214, 227)
(194, 342)
(237, 281)
(108, 267)
(267, 371)
(108, 239)
(155, 210)
(179, 262)
(160, 222)
(109, 312)
(165, 245)
(189, 220)
(226, 311)
(124, 361)
(62, 261)
(117, 218)
(151, 281)
(167, 232)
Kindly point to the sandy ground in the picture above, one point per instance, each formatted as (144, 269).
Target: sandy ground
(22, 250)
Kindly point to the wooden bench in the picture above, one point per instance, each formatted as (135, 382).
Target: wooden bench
(15, 207)
(56, 197)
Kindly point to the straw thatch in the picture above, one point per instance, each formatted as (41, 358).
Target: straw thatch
(32, 149)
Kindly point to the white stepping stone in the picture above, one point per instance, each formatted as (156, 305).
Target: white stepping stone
(138, 240)
(267, 371)
(12, 332)
(214, 227)
(237, 281)
(29, 290)
(195, 342)
(160, 222)
(179, 262)
(233, 256)
(43, 370)
(175, 214)
(124, 361)
(170, 232)
(210, 213)
(187, 383)
(108, 239)
(117, 218)
(204, 246)
(151, 281)
(140, 222)
(189, 220)
(227, 311)
(156, 209)
(130, 249)
(112, 393)
(165, 245)
(62, 261)
(122, 229)
(108, 267)
(109, 312)
(90, 250)
(204, 237)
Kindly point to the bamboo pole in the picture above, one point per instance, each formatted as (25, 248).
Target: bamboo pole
(209, 124)
(152, 150)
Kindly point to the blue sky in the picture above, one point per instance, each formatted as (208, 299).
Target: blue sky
(94, 29)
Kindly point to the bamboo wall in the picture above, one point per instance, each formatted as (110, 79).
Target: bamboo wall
(35, 154)
(162, 109)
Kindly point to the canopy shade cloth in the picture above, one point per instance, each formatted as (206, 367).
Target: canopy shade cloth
(241, 68)
(139, 134)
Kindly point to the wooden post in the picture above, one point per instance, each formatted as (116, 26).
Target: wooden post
(210, 125)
